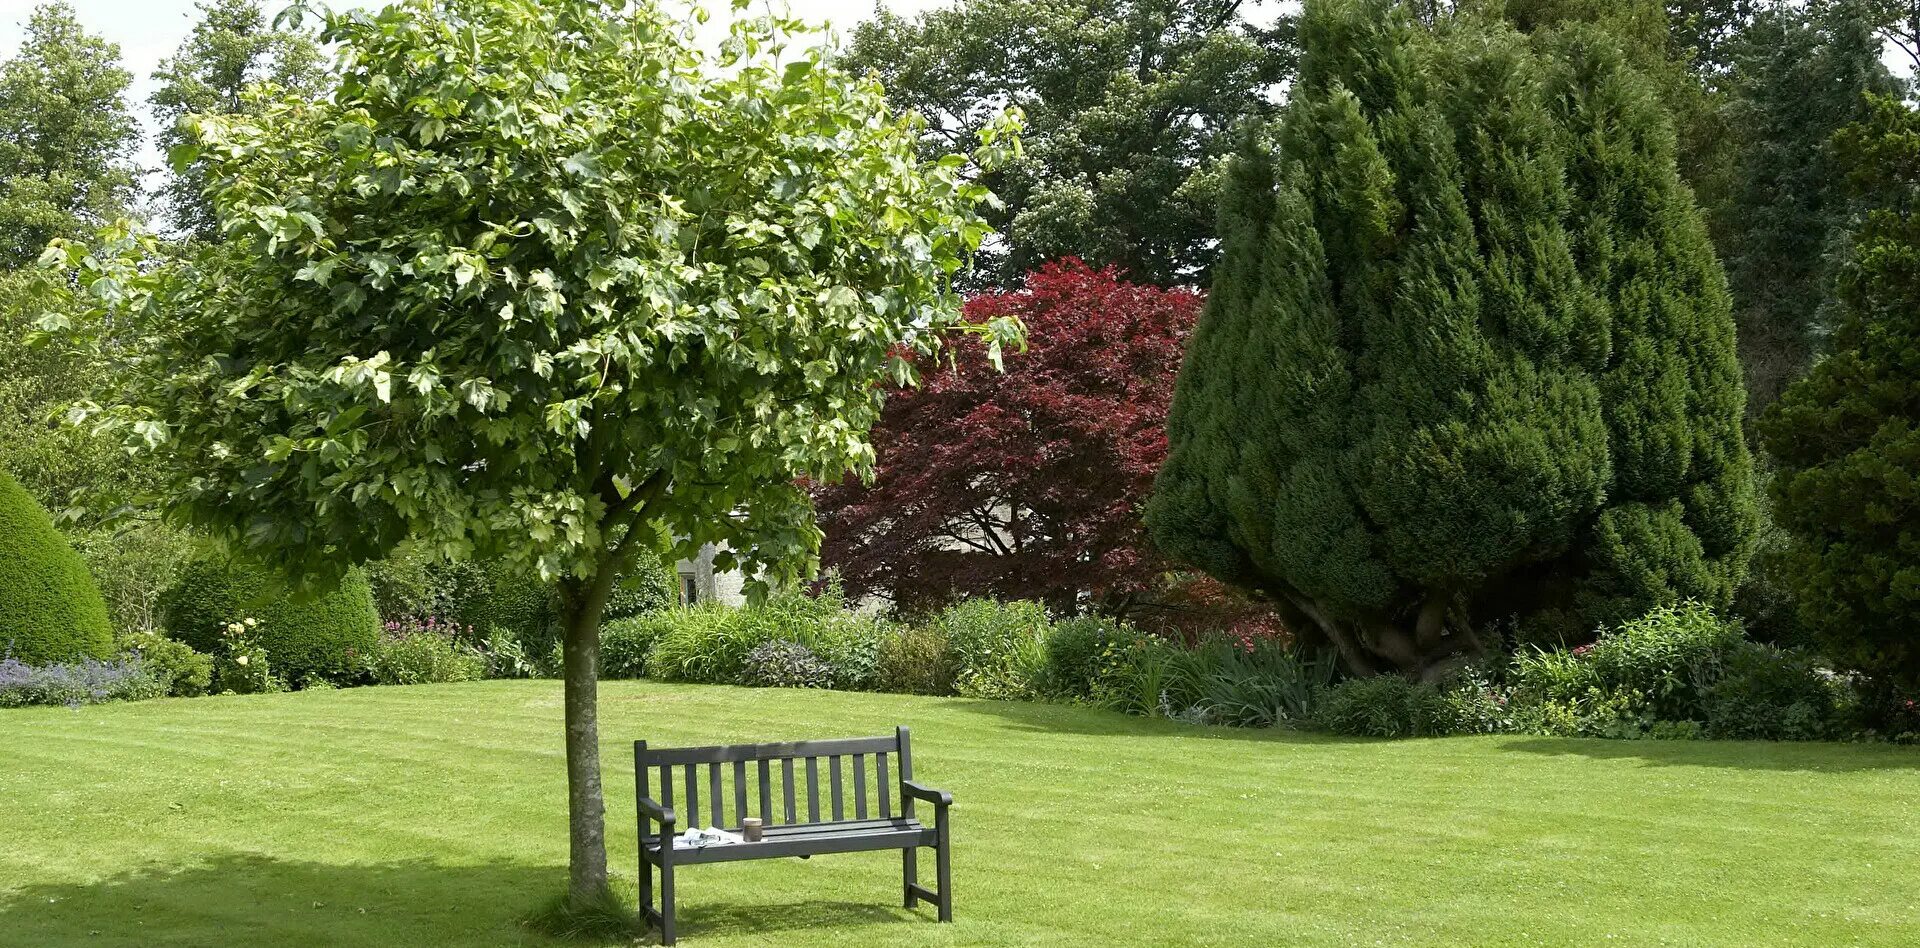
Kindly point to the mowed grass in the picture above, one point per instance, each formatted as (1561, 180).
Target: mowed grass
(436, 816)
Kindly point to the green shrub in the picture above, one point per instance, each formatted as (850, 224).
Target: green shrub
(1385, 706)
(710, 642)
(1759, 692)
(414, 584)
(649, 586)
(998, 648)
(786, 665)
(1257, 684)
(133, 567)
(50, 609)
(1655, 665)
(1074, 648)
(915, 660)
(624, 644)
(414, 655)
(318, 635)
(181, 671)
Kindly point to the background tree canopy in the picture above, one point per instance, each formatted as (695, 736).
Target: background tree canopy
(1131, 105)
(1469, 355)
(65, 136)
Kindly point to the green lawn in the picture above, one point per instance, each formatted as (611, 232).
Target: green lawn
(435, 815)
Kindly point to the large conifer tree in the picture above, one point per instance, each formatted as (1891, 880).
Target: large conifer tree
(1469, 355)
(1847, 436)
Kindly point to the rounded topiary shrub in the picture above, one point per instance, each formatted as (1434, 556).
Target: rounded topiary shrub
(316, 635)
(50, 609)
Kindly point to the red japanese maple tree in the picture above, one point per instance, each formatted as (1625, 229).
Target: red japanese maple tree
(1027, 483)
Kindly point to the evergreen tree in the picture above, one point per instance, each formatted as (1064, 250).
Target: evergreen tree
(1468, 355)
(1847, 436)
(1131, 109)
(65, 135)
(1799, 76)
(232, 47)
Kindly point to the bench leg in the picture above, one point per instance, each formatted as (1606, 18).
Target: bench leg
(910, 873)
(943, 866)
(666, 902)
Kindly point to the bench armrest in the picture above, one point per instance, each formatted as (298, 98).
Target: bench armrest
(660, 814)
(919, 791)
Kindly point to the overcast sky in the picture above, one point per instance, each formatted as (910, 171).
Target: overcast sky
(150, 30)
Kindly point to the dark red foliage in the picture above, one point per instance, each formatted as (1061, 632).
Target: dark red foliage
(1026, 484)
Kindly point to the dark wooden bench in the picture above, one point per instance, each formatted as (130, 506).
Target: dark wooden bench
(727, 778)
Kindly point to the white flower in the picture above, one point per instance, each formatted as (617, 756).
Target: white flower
(251, 622)
(242, 660)
(234, 627)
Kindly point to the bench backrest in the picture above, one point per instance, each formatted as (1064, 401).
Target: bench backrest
(794, 782)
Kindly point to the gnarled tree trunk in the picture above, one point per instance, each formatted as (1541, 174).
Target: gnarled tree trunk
(1425, 643)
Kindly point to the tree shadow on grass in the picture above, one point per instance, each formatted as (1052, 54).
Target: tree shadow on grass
(1810, 757)
(248, 899)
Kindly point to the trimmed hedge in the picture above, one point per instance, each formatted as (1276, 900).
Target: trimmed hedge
(50, 608)
(323, 635)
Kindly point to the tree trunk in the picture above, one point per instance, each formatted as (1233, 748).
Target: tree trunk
(582, 603)
(1427, 644)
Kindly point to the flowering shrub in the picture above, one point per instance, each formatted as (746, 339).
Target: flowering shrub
(998, 649)
(242, 666)
(88, 681)
(786, 665)
(424, 650)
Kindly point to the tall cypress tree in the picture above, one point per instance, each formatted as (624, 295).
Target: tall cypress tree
(1469, 355)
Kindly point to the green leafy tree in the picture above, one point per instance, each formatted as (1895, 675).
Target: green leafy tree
(1131, 108)
(232, 47)
(65, 135)
(1846, 437)
(538, 282)
(1800, 75)
(1468, 356)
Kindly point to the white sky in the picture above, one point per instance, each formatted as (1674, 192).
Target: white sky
(150, 30)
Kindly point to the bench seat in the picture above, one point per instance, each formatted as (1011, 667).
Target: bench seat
(805, 839)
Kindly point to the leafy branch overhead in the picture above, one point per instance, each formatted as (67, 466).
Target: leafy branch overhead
(527, 270)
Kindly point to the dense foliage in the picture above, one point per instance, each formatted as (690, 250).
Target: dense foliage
(1132, 105)
(1468, 356)
(50, 609)
(65, 135)
(1027, 483)
(306, 634)
(1847, 437)
(1800, 74)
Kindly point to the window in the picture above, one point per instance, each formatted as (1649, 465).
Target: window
(689, 589)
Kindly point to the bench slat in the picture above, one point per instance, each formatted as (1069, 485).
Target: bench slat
(739, 793)
(666, 789)
(880, 784)
(786, 787)
(813, 789)
(693, 796)
(833, 768)
(766, 793)
(859, 786)
(713, 784)
(729, 753)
